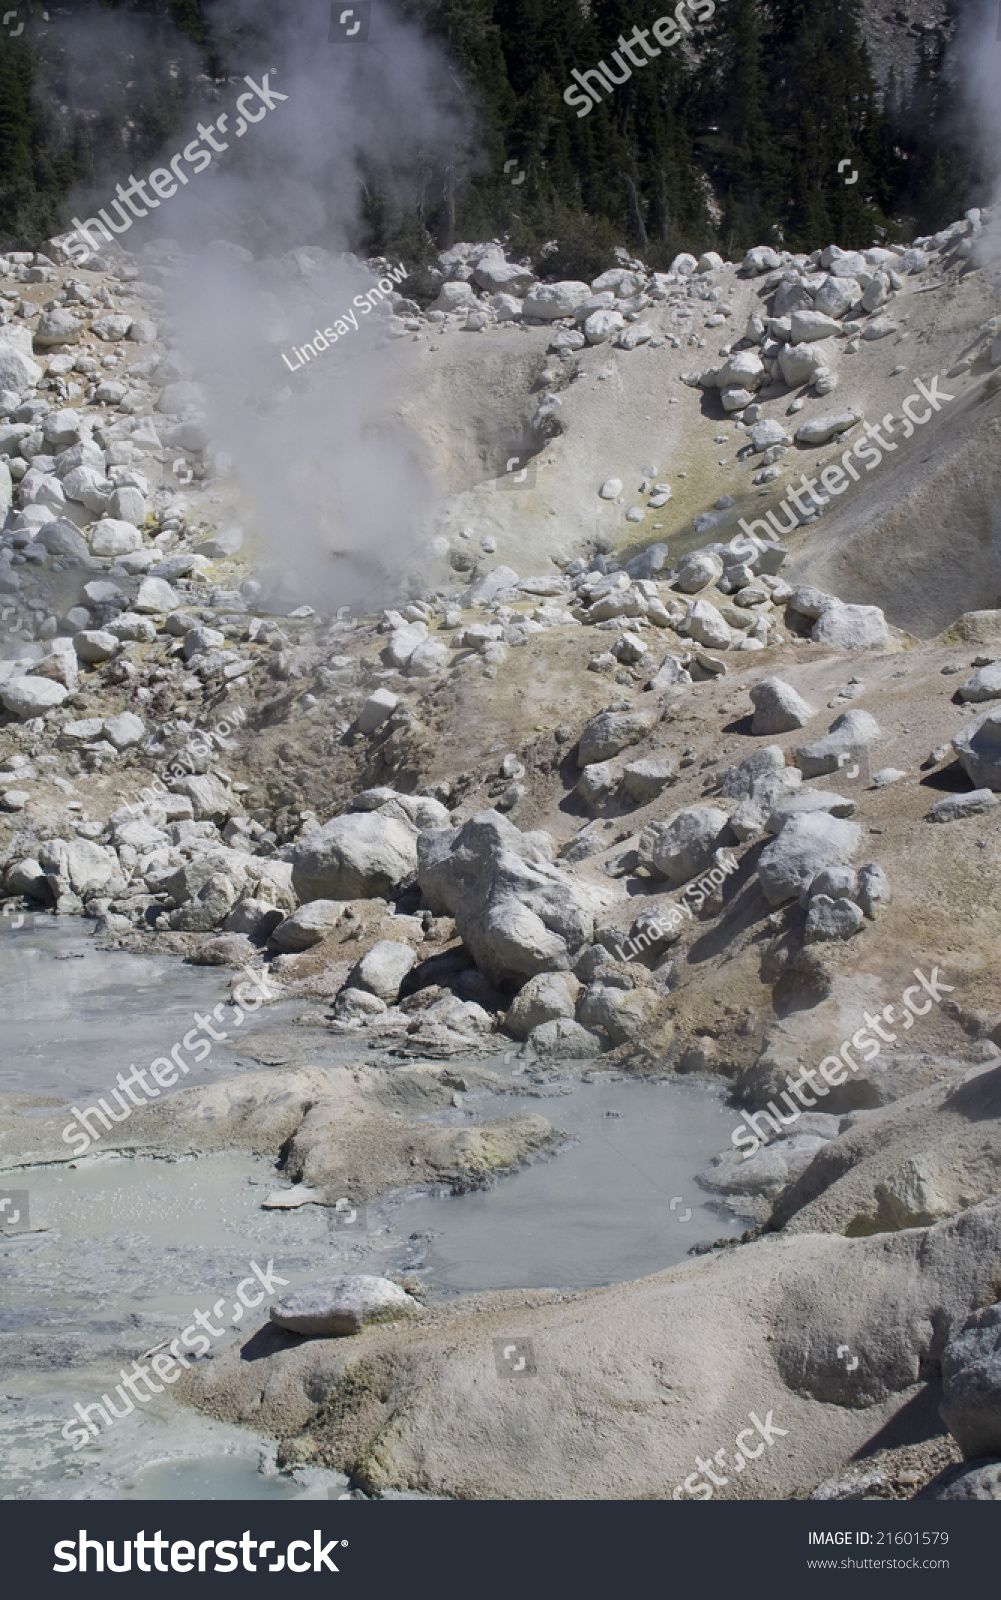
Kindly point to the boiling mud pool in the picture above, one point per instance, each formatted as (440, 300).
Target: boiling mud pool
(122, 1251)
(617, 1203)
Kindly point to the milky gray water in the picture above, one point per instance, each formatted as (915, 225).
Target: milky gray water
(123, 1249)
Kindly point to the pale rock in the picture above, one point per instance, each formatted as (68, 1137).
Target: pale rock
(768, 432)
(545, 998)
(112, 327)
(378, 708)
(124, 730)
(809, 325)
(804, 847)
(643, 781)
(110, 537)
(957, 806)
(155, 596)
(600, 326)
(209, 907)
(820, 429)
(800, 363)
(829, 919)
(848, 627)
(984, 685)
(357, 856)
(382, 969)
(255, 918)
(697, 570)
(803, 800)
(596, 784)
(227, 543)
(707, 626)
(610, 731)
(778, 707)
(852, 731)
(338, 1307)
(32, 696)
(548, 301)
(978, 747)
(683, 848)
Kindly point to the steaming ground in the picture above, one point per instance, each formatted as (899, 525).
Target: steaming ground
(438, 825)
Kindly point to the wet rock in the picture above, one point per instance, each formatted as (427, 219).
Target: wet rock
(804, 847)
(357, 856)
(335, 1307)
(778, 707)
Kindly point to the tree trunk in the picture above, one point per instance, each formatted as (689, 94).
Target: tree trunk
(634, 212)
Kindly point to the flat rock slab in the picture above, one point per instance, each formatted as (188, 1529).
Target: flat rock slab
(334, 1307)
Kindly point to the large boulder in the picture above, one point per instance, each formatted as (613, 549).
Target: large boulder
(451, 861)
(979, 749)
(804, 847)
(851, 628)
(778, 707)
(308, 925)
(708, 626)
(357, 856)
(800, 363)
(32, 696)
(333, 1307)
(611, 731)
(682, 848)
(85, 866)
(382, 969)
(971, 1384)
(544, 998)
(209, 907)
(515, 911)
(849, 734)
(549, 301)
